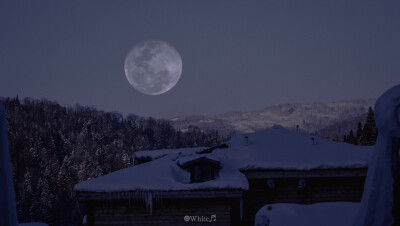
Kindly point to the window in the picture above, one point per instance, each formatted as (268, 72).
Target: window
(201, 173)
(271, 184)
(302, 186)
(302, 183)
(196, 175)
(207, 173)
(202, 169)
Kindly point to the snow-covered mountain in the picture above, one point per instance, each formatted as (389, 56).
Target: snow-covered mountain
(311, 117)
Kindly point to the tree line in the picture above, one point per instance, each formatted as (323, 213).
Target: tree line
(54, 147)
(366, 134)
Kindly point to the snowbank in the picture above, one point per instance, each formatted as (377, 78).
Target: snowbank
(34, 224)
(8, 210)
(377, 200)
(274, 148)
(387, 113)
(327, 214)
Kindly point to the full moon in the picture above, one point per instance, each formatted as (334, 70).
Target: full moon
(153, 67)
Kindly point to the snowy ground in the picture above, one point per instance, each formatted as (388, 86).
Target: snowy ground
(33, 224)
(327, 214)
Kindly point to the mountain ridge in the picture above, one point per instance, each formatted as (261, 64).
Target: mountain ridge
(311, 117)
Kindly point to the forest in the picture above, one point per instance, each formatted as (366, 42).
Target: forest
(366, 133)
(54, 147)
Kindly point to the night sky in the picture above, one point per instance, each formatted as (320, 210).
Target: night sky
(237, 55)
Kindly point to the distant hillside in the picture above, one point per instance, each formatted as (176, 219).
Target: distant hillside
(311, 118)
(338, 129)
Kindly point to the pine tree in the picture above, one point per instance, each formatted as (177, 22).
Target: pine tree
(371, 118)
(370, 132)
(27, 198)
(351, 138)
(359, 132)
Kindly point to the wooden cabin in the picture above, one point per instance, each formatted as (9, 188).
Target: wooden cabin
(229, 184)
(265, 187)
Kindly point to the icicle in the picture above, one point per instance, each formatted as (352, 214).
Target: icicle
(156, 196)
(149, 198)
(150, 202)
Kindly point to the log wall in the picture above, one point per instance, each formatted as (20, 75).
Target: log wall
(333, 189)
(164, 212)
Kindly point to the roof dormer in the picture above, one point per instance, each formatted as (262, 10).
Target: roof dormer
(202, 169)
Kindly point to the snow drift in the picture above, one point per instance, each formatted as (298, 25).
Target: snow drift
(377, 200)
(8, 211)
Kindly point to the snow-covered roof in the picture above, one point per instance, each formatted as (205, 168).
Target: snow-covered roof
(279, 148)
(201, 160)
(156, 154)
(274, 148)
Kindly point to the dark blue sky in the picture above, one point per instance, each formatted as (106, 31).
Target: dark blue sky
(237, 55)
